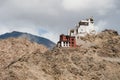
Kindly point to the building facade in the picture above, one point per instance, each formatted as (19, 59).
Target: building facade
(67, 41)
(83, 28)
(73, 39)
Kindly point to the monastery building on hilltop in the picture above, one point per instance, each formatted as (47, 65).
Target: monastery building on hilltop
(83, 28)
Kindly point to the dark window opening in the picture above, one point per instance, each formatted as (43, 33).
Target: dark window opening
(72, 42)
(83, 23)
(72, 39)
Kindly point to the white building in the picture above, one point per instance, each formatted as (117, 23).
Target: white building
(83, 28)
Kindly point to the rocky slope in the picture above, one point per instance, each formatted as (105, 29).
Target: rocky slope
(11, 50)
(100, 60)
(108, 43)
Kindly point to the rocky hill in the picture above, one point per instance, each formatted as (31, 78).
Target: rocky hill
(100, 60)
(33, 38)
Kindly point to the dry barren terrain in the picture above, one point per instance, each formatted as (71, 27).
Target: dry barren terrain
(24, 60)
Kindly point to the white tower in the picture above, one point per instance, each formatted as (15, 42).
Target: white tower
(86, 27)
(83, 28)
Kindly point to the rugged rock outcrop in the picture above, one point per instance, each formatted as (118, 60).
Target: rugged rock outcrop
(107, 43)
(11, 50)
(98, 61)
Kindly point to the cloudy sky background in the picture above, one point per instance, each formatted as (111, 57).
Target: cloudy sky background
(49, 18)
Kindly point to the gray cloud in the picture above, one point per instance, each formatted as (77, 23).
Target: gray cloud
(56, 16)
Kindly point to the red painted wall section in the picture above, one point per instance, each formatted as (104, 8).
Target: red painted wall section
(72, 42)
(70, 39)
(63, 38)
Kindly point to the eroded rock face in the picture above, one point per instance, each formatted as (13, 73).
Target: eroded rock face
(78, 64)
(23, 60)
(108, 42)
(11, 50)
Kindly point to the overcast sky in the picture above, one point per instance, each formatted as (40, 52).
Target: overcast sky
(49, 18)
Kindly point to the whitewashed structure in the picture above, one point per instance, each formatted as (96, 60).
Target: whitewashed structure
(83, 28)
